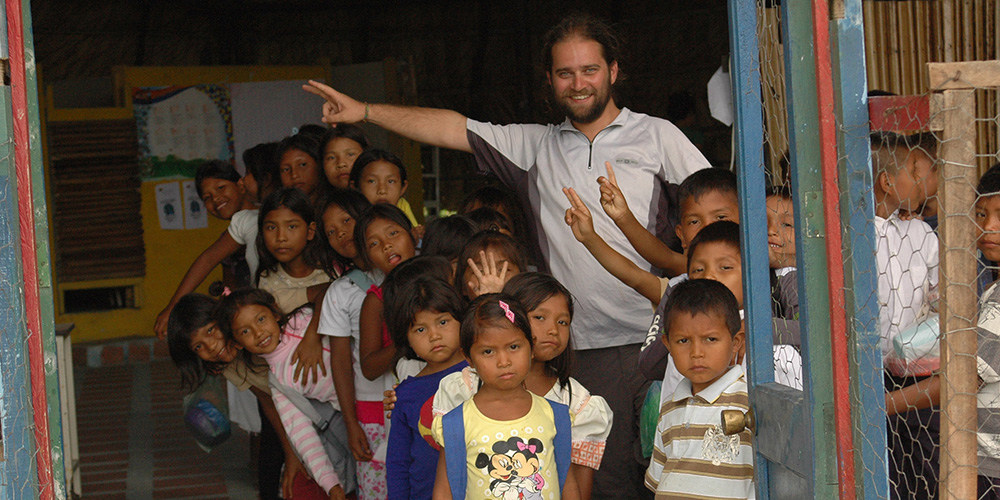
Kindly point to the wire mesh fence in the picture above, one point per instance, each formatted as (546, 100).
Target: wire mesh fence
(930, 259)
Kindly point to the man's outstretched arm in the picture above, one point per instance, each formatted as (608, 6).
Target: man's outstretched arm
(436, 127)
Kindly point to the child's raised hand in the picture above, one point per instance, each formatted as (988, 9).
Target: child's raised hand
(612, 199)
(308, 359)
(338, 108)
(491, 279)
(578, 216)
(389, 401)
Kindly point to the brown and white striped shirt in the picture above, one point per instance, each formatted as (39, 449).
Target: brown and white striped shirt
(679, 468)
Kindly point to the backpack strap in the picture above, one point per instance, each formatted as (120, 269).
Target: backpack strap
(360, 278)
(453, 428)
(563, 441)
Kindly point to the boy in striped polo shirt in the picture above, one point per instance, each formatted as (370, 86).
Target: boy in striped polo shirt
(691, 456)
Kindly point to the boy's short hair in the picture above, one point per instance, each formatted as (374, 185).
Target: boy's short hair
(259, 162)
(886, 149)
(306, 143)
(703, 296)
(418, 284)
(705, 181)
(989, 183)
(447, 236)
(723, 231)
(372, 155)
(215, 169)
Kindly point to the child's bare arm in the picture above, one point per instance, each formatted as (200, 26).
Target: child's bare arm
(342, 370)
(199, 270)
(375, 359)
(579, 219)
(584, 479)
(442, 490)
(923, 394)
(571, 490)
(647, 244)
(308, 356)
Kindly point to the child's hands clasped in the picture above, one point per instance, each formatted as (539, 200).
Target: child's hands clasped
(490, 278)
(578, 217)
(612, 199)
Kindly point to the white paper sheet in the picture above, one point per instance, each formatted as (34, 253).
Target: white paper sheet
(720, 96)
(169, 206)
(195, 216)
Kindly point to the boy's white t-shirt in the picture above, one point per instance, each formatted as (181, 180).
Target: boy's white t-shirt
(243, 229)
(340, 317)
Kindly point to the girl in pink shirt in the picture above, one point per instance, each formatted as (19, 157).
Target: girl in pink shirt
(251, 318)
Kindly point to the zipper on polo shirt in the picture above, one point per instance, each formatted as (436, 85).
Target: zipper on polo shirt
(590, 155)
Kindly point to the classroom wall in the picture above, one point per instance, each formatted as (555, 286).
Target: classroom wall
(168, 252)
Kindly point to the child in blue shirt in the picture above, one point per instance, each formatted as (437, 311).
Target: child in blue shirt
(423, 314)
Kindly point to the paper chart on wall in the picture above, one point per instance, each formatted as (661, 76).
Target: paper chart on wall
(168, 205)
(195, 216)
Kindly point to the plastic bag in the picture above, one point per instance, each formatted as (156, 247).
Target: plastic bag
(916, 351)
(206, 413)
(650, 417)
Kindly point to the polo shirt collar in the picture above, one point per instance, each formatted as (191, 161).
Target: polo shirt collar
(619, 121)
(712, 392)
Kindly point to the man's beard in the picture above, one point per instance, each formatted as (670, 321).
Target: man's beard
(586, 115)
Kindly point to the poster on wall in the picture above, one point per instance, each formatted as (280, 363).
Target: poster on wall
(168, 205)
(181, 127)
(195, 216)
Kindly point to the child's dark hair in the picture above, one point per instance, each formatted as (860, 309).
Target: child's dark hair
(215, 169)
(302, 142)
(378, 211)
(703, 296)
(531, 289)
(723, 231)
(488, 219)
(295, 200)
(193, 311)
(486, 241)
(418, 284)
(487, 311)
(350, 201)
(447, 236)
(705, 181)
(230, 305)
(373, 155)
(503, 201)
(344, 131)
(259, 162)
(989, 183)
(312, 131)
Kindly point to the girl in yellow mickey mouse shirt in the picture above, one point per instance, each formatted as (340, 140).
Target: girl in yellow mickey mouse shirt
(509, 433)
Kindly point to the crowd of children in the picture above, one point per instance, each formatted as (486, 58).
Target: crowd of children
(397, 361)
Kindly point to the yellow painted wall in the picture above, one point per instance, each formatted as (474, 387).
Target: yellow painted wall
(168, 253)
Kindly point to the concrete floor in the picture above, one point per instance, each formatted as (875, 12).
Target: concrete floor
(133, 443)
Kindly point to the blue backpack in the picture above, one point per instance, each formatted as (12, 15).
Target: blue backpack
(453, 428)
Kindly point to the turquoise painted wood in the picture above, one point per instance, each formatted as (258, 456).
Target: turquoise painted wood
(18, 473)
(857, 214)
(795, 436)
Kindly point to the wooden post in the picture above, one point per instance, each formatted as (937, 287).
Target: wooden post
(958, 298)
